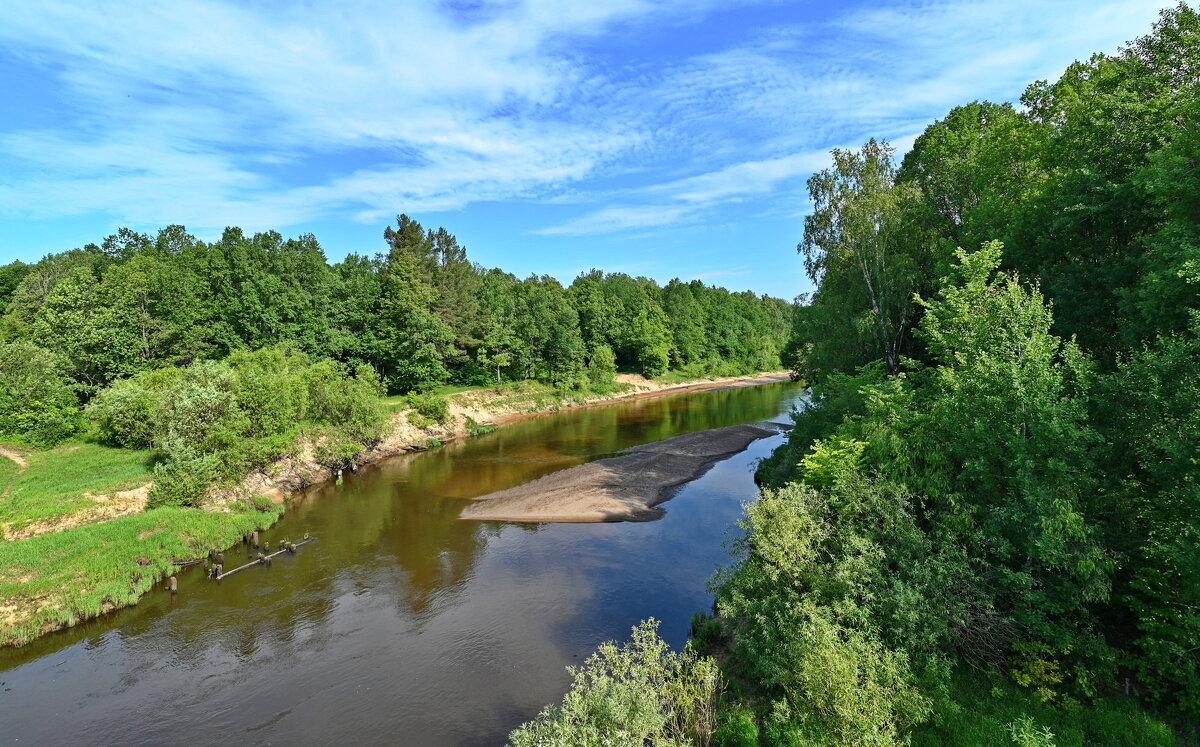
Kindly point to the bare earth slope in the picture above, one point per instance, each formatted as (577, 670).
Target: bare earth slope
(623, 488)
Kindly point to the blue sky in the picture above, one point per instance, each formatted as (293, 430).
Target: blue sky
(665, 139)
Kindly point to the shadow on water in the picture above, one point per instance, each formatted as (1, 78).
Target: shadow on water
(402, 624)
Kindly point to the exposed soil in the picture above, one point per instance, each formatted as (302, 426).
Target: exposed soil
(9, 453)
(301, 470)
(623, 488)
(106, 506)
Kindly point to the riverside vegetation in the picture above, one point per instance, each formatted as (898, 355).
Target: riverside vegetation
(141, 379)
(986, 527)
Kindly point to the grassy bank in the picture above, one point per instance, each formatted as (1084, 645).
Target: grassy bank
(66, 483)
(55, 580)
(78, 542)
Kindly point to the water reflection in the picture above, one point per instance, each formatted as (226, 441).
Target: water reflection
(402, 624)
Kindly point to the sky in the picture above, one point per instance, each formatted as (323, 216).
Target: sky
(666, 139)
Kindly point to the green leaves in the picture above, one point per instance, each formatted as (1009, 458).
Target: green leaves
(630, 695)
(37, 400)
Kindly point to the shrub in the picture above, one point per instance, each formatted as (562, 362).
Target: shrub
(433, 407)
(475, 428)
(636, 693)
(737, 729)
(37, 401)
(183, 480)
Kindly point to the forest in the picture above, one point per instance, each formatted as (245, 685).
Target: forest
(409, 319)
(985, 528)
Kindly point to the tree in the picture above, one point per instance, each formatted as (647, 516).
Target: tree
(37, 399)
(1002, 449)
(861, 245)
(414, 342)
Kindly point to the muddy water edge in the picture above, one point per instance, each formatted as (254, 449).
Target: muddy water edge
(402, 624)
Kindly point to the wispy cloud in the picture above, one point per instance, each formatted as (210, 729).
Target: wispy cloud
(641, 120)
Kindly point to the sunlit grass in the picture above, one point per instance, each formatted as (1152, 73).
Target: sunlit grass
(58, 579)
(57, 481)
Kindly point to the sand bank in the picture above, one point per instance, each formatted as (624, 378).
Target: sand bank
(623, 488)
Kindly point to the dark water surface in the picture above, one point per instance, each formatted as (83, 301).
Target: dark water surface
(402, 624)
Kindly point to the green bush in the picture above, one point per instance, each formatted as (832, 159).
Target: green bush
(183, 480)
(632, 694)
(475, 428)
(125, 414)
(434, 408)
(37, 401)
(737, 729)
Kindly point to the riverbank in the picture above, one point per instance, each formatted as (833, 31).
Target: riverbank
(467, 411)
(78, 541)
(623, 488)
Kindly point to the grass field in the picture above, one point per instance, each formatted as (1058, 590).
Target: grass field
(55, 580)
(61, 482)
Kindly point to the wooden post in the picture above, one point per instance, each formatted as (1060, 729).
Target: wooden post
(254, 538)
(174, 585)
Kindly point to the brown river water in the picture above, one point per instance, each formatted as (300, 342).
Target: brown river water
(402, 624)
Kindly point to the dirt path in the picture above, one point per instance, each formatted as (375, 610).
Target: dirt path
(20, 460)
(623, 488)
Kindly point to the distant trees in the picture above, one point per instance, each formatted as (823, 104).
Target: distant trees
(420, 314)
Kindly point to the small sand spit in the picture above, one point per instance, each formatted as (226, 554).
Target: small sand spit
(623, 488)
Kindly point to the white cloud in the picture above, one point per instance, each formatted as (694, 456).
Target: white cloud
(212, 113)
(619, 218)
(184, 107)
(762, 114)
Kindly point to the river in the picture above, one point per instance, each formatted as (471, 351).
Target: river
(402, 624)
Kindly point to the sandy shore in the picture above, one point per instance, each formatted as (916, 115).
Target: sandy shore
(623, 488)
(301, 470)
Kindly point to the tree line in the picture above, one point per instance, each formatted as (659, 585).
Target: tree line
(985, 528)
(418, 314)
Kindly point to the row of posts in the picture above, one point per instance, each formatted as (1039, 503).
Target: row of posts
(216, 565)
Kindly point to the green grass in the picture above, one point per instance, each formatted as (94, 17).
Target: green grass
(981, 710)
(700, 371)
(449, 389)
(8, 468)
(55, 483)
(58, 579)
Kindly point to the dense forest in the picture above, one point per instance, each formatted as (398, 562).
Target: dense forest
(418, 315)
(985, 528)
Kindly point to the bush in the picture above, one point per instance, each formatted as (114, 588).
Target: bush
(337, 450)
(475, 428)
(433, 407)
(738, 729)
(637, 693)
(183, 480)
(125, 414)
(37, 401)
(602, 368)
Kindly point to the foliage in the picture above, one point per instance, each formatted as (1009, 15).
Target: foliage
(37, 400)
(215, 420)
(634, 694)
(428, 409)
(863, 246)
